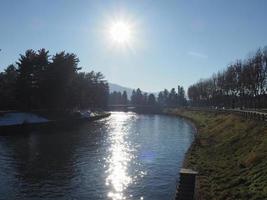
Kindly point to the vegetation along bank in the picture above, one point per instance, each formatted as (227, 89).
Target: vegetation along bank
(229, 153)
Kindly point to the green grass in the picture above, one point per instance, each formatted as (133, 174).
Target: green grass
(230, 154)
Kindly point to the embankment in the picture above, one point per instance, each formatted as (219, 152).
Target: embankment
(230, 154)
(18, 123)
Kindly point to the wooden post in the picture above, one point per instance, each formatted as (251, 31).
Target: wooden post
(186, 188)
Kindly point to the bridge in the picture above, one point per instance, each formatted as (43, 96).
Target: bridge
(135, 108)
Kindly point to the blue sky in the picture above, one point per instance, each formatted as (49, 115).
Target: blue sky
(175, 42)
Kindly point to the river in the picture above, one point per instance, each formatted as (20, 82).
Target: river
(125, 156)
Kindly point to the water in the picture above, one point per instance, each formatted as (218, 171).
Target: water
(125, 156)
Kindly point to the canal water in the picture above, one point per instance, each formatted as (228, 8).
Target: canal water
(125, 156)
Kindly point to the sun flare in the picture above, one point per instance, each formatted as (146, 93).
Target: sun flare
(120, 32)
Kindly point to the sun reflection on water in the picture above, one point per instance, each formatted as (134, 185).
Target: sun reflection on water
(121, 154)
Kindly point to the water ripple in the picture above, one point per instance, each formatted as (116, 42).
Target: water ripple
(126, 156)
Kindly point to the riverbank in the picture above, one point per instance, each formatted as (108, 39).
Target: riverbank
(229, 152)
(20, 122)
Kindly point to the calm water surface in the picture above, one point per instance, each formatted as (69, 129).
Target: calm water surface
(125, 156)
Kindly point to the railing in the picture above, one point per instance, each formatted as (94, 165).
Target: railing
(255, 115)
(248, 114)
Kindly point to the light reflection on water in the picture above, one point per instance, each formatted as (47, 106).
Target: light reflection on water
(126, 156)
(121, 155)
(119, 158)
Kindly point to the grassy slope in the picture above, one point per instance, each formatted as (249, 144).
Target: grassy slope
(230, 154)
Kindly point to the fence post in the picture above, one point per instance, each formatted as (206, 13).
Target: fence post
(187, 184)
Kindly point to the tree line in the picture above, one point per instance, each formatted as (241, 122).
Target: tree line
(164, 98)
(41, 81)
(118, 98)
(242, 84)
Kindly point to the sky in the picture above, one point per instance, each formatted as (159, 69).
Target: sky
(173, 42)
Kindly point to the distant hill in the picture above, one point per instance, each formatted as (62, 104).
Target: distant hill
(118, 88)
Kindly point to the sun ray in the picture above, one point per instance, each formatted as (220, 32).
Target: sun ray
(120, 32)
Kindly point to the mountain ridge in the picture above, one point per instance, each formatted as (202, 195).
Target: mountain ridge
(113, 87)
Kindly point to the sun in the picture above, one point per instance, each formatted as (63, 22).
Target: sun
(120, 32)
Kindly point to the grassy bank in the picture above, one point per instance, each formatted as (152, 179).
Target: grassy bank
(230, 154)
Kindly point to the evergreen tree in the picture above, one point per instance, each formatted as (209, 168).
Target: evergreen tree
(172, 100)
(41, 83)
(151, 100)
(8, 80)
(133, 97)
(124, 98)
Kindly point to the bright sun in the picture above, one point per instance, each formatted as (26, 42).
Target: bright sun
(120, 32)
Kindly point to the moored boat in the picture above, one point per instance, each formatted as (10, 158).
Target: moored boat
(18, 122)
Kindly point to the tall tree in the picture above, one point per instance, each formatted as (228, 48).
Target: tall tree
(31, 69)
(124, 98)
(8, 80)
(151, 100)
(42, 83)
(242, 84)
